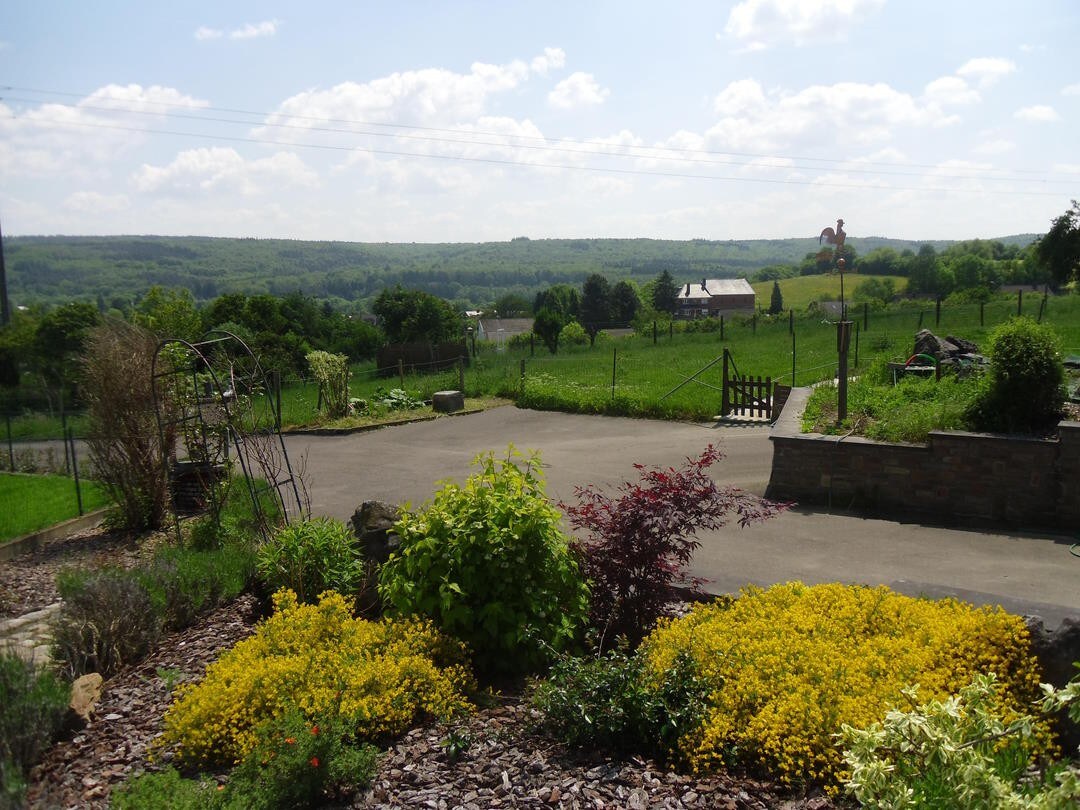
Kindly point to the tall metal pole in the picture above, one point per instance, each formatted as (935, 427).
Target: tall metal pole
(5, 310)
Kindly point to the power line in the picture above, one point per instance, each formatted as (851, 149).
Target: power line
(534, 164)
(977, 173)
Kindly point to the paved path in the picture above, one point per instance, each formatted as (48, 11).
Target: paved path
(1024, 572)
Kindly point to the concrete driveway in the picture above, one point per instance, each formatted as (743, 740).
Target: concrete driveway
(1023, 572)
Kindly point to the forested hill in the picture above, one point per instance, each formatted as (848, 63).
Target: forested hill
(114, 269)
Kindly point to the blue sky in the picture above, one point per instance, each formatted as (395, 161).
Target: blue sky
(474, 121)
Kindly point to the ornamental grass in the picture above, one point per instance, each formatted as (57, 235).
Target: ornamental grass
(785, 668)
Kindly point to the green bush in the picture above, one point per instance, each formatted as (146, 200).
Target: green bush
(165, 790)
(107, 620)
(1026, 386)
(34, 703)
(573, 334)
(490, 565)
(186, 583)
(298, 763)
(312, 556)
(605, 702)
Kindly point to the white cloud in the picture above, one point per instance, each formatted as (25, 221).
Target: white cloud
(1071, 90)
(81, 140)
(551, 59)
(1037, 113)
(760, 23)
(986, 70)
(430, 96)
(994, 146)
(847, 113)
(950, 90)
(224, 169)
(266, 28)
(577, 90)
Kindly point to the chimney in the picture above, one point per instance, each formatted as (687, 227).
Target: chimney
(706, 289)
(687, 293)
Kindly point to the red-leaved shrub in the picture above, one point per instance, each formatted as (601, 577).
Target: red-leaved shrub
(640, 543)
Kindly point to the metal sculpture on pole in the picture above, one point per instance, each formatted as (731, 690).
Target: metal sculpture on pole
(843, 326)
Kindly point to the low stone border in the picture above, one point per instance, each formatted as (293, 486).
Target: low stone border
(364, 428)
(34, 540)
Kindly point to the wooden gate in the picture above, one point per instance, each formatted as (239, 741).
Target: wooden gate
(745, 395)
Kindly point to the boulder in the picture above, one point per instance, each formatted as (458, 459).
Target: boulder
(371, 524)
(1057, 651)
(85, 695)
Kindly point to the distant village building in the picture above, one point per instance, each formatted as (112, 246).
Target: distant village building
(713, 297)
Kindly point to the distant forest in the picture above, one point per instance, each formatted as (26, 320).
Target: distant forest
(115, 271)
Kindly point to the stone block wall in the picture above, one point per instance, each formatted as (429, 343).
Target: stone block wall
(956, 477)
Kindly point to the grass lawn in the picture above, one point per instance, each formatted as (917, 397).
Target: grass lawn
(798, 292)
(36, 501)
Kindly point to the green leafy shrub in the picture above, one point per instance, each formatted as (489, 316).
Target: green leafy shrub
(312, 556)
(107, 621)
(299, 763)
(376, 677)
(1026, 386)
(605, 702)
(184, 583)
(573, 334)
(34, 703)
(962, 752)
(787, 667)
(490, 565)
(165, 790)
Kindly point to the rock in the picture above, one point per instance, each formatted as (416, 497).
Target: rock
(371, 524)
(965, 346)
(1056, 652)
(639, 800)
(85, 695)
(447, 401)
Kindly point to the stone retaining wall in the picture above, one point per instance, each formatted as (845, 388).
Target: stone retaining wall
(956, 477)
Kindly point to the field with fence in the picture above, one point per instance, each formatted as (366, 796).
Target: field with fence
(674, 374)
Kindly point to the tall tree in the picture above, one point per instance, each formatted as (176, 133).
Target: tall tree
(595, 305)
(624, 302)
(1059, 250)
(415, 316)
(547, 326)
(560, 298)
(776, 302)
(665, 293)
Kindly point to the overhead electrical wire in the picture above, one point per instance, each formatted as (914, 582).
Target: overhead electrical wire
(588, 149)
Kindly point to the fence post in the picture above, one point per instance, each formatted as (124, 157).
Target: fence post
(920, 321)
(63, 431)
(10, 447)
(725, 393)
(792, 359)
(1042, 306)
(75, 471)
(671, 329)
(654, 333)
(461, 374)
(721, 327)
(277, 395)
(791, 322)
(865, 315)
(857, 344)
(614, 357)
(937, 312)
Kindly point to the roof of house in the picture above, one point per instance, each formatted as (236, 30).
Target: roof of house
(716, 286)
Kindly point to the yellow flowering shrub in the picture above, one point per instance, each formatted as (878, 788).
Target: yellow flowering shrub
(787, 667)
(380, 676)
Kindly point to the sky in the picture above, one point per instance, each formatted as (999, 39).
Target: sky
(484, 121)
